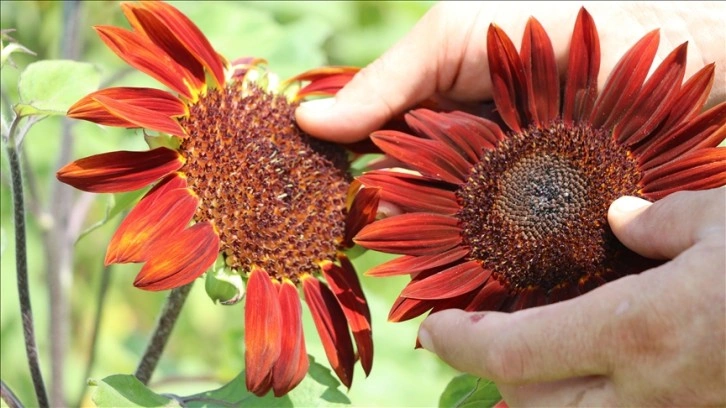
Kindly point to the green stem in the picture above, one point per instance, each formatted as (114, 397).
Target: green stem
(164, 326)
(21, 265)
(9, 396)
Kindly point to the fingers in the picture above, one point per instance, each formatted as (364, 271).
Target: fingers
(410, 72)
(548, 343)
(670, 226)
(594, 391)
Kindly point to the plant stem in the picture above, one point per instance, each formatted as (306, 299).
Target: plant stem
(21, 265)
(164, 326)
(100, 304)
(9, 396)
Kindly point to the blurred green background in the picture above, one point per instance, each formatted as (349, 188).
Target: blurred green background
(205, 350)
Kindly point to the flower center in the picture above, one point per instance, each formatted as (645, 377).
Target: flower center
(276, 196)
(534, 210)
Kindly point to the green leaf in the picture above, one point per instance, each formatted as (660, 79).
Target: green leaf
(318, 389)
(467, 391)
(116, 204)
(123, 390)
(50, 87)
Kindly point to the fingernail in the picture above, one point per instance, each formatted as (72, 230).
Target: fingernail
(629, 204)
(425, 339)
(318, 105)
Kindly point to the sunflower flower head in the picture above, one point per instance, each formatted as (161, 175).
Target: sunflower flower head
(235, 181)
(511, 213)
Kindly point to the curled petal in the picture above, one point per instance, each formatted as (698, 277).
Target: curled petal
(411, 234)
(454, 281)
(582, 68)
(162, 213)
(344, 283)
(412, 193)
(142, 54)
(116, 172)
(162, 103)
(179, 259)
(430, 157)
(293, 363)
(173, 32)
(332, 328)
(624, 82)
(325, 81)
(362, 212)
(406, 308)
(263, 332)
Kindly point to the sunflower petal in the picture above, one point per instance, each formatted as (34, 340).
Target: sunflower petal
(293, 363)
(412, 193)
(344, 283)
(430, 157)
(707, 130)
(405, 309)
(540, 67)
(490, 297)
(623, 84)
(325, 81)
(147, 57)
(162, 213)
(173, 32)
(362, 212)
(509, 82)
(461, 131)
(655, 101)
(140, 116)
(116, 172)
(407, 264)
(454, 281)
(411, 234)
(179, 259)
(162, 103)
(582, 68)
(263, 331)
(332, 328)
(691, 97)
(699, 170)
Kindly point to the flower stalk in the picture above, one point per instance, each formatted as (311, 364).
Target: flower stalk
(21, 259)
(164, 326)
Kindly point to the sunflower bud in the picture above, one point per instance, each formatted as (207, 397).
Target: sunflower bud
(224, 285)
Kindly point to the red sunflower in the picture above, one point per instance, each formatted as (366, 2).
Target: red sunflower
(260, 195)
(505, 217)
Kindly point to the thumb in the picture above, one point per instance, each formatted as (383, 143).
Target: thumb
(670, 226)
(423, 63)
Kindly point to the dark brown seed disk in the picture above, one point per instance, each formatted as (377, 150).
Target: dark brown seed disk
(534, 210)
(276, 196)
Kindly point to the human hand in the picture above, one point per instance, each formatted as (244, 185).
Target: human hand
(445, 56)
(656, 338)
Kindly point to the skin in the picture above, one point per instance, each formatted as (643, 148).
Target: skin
(653, 339)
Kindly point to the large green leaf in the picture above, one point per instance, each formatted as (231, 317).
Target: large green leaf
(50, 87)
(318, 389)
(467, 391)
(127, 391)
